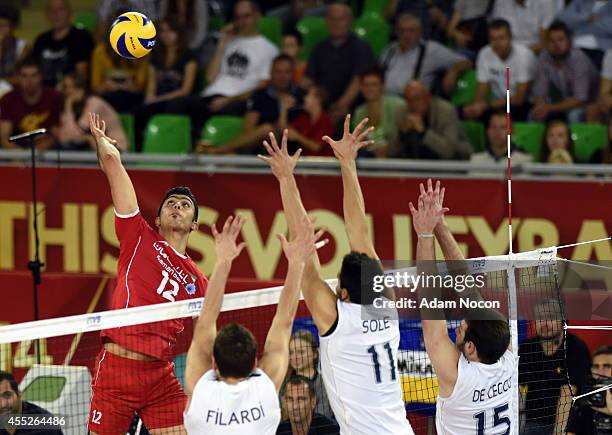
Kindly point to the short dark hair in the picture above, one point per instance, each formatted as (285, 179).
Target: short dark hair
(234, 350)
(283, 57)
(489, 331)
(560, 26)
(373, 70)
(603, 350)
(495, 114)
(300, 380)
(357, 277)
(181, 190)
(500, 23)
(29, 61)
(254, 5)
(297, 35)
(6, 376)
(10, 13)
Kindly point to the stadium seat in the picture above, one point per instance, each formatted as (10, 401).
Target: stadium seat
(465, 91)
(375, 31)
(271, 28)
(313, 30)
(127, 122)
(588, 138)
(168, 134)
(374, 7)
(476, 134)
(215, 23)
(86, 21)
(528, 136)
(221, 129)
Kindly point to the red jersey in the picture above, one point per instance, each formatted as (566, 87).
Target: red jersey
(150, 271)
(315, 131)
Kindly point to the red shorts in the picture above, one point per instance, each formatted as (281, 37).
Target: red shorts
(122, 387)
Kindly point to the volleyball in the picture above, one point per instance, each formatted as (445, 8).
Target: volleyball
(132, 35)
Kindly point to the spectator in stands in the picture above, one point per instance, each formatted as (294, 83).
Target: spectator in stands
(121, 82)
(192, 16)
(605, 155)
(299, 400)
(63, 49)
(544, 359)
(590, 21)
(497, 146)
(314, 123)
(585, 419)
(12, 49)
(336, 62)
(30, 106)
(383, 111)
(557, 146)
(290, 12)
(172, 73)
(565, 81)
(73, 131)
(433, 14)
(269, 109)
(467, 28)
(151, 8)
(411, 58)
(491, 74)
(292, 45)
(430, 128)
(11, 403)
(528, 19)
(304, 362)
(240, 65)
(600, 110)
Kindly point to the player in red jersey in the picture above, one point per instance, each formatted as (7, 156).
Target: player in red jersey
(134, 373)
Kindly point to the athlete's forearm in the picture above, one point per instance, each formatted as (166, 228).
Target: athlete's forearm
(447, 242)
(432, 318)
(292, 203)
(214, 294)
(289, 298)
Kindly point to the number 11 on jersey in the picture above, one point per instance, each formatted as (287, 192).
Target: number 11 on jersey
(375, 361)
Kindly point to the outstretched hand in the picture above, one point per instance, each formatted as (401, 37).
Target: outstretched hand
(281, 163)
(225, 241)
(302, 247)
(347, 147)
(430, 208)
(98, 128)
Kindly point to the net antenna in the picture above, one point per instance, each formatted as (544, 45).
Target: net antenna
(512, 292)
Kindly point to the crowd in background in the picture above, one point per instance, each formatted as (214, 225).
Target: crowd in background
(559, 53)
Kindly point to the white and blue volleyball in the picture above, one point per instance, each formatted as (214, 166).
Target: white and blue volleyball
(132, 35)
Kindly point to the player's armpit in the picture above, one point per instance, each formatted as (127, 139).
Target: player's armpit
(443, 354)
(320, 298)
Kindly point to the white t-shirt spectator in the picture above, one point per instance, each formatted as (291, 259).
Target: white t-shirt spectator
(606, 67)
(528, 20)
(246, 61)
(491, 69)
(400, 67)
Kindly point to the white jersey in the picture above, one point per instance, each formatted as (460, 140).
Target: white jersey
(481, 402)
(359, 371)
(250, 406)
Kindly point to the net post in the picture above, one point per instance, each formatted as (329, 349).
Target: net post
(513, 323)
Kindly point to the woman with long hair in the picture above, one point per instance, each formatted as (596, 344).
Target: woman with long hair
(192, 16)
(557, 146)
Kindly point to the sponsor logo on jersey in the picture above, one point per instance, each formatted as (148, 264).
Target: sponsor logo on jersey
(190, 288)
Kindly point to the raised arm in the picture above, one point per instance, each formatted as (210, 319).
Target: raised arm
(320, 299)
(109, 158)
(276, 349)
(441, 350)
(353, 204)
(200, 355)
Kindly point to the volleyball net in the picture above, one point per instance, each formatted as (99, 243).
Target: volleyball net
(64, 354)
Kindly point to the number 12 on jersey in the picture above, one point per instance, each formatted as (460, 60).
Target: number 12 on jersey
(375, 361)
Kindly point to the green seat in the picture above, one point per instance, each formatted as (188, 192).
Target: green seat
(588, 138)
(169, 134)
(127, 122)
(374, 7)
(465, 91)
(528, 136)
(86, 20)
(220, 129)
(313, 30)
(271, 28)
(375, 31)
(475, 132)
(215, 23)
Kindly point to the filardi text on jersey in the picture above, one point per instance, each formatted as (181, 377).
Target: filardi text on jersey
(435, 303)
